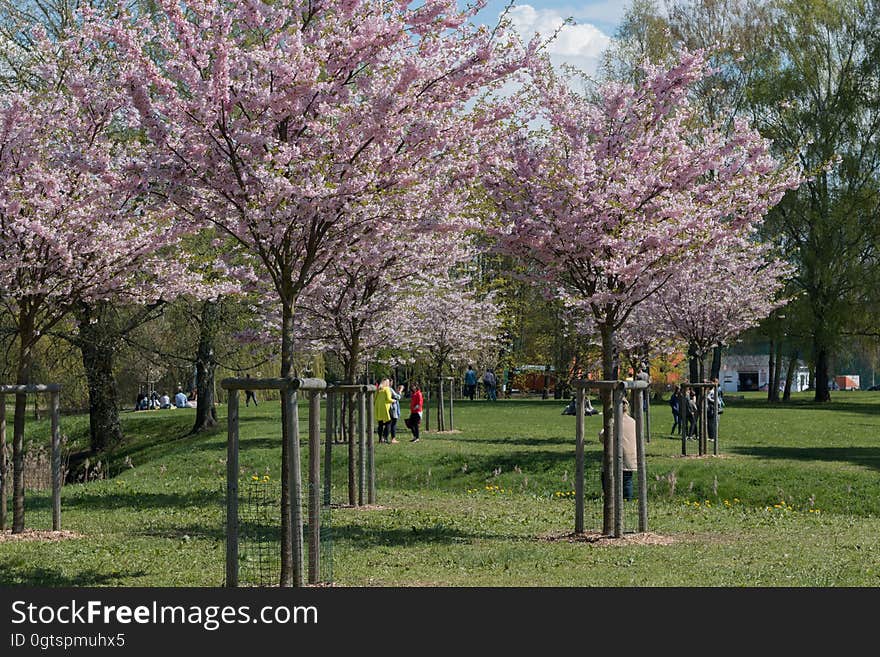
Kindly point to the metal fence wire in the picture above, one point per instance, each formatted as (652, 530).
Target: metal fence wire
(259, 520)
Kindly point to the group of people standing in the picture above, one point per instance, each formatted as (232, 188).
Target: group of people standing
(490, 383)
(387, 410)
(691, 411)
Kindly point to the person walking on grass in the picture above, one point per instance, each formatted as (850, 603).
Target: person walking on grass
(382, 408)
(491, 383)
(415, 412)
(249, 395)
(675, 405)
(470, 382)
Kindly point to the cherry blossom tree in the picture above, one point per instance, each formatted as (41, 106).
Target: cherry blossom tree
(282, 123)
(710, 300)
(74, 228)
(608, 197)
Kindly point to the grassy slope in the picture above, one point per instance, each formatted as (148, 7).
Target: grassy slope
(160, 523)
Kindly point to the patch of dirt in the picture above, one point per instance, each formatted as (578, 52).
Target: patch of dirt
(37, 535)
(597, 538)
(704, 456)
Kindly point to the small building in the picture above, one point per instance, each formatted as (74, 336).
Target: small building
(742, 372)
(847, 381)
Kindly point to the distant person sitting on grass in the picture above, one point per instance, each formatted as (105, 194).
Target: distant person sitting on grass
(571, 409)
(164, 401)
(180, 399)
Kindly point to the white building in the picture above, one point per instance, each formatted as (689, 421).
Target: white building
(741, 372)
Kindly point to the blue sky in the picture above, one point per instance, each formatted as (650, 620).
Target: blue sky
(580, 44)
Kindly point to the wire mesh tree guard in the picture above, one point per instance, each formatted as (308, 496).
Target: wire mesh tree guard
(361, 470)
(702, 419)
(54, 391)
(618, 390)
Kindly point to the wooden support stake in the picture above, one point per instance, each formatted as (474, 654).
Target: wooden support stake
(440, 418)
(232, 490)
(314, 487)
(56, 461)
(329, 429)
(617, 453)
(716, 421)
(3, 462)
(371, 450)
(683, 419)
(296, 514)
(579, 463)
(352, 452)
(362, 440)
(451, 398)
(641, 463)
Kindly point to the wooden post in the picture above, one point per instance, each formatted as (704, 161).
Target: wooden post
(314, 486)
(716, 420)
(295, 483)
(641, 463)
(232, 490)
(704, 428)
(440, 419)
(683, 419)
(426, 405)
(362, 439)
(579, 463)
(3, 470)
(451, 398)
(647, 397)
(371, 451)
(349, 420)
(617, 455)
(56, 461)
(329, 430)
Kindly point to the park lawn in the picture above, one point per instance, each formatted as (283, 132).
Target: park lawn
(793, 500)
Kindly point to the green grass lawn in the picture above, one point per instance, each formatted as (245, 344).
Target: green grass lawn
(794, 500)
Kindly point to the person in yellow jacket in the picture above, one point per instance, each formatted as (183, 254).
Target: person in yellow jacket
(382, 408)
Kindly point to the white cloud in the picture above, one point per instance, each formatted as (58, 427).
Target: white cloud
(579, 45)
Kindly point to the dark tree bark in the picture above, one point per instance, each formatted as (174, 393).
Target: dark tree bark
(693, 364)
(715, 372)
(771, 369)
(27, 338)
(821, 378)
(98, 342)
(206, 365)
(610, 366)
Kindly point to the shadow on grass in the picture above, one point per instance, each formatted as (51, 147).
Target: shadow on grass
(863, 456)
(29, 575)
(125, 500)
(866, 407)
(439, 534)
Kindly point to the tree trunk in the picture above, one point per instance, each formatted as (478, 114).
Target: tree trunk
(777, 372)
(27, 337)
(287, 538)
(206, 365)
(609, 373)
(790, 374)
(715, 372)
(771, 369)
(98, 343)
(821, 378)
(350, 375)
(693, 362)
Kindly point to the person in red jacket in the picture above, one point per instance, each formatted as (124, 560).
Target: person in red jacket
(416, 406)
